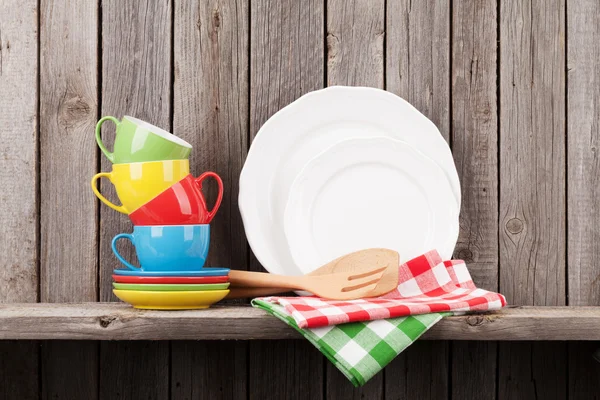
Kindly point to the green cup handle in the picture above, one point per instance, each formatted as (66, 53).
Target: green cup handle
(107, 153)
(103, 199)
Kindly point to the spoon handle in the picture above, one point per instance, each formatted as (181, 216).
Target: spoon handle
(249, 293)
(264, 280)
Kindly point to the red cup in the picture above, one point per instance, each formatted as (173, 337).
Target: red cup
(181, 204)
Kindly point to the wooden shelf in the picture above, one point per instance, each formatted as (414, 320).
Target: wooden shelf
(117, 321)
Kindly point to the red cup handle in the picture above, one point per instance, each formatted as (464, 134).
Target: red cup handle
(199, 181)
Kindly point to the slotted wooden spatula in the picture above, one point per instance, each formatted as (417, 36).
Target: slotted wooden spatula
(357, 262)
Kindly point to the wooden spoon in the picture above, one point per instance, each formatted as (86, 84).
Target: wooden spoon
(354, 262)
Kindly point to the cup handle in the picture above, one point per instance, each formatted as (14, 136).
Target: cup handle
(120, 257)
(107, 153)
(216, 177)
(103, 199)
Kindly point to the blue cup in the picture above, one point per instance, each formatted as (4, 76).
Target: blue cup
(167, 247)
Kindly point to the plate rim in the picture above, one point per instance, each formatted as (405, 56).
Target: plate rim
(267, 257)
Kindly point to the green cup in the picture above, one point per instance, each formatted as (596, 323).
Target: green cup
(139, 141)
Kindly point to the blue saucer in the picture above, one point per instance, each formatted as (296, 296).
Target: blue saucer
(203, 272)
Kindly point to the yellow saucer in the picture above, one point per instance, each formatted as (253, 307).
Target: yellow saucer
(154, 300)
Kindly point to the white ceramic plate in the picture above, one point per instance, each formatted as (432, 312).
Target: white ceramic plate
(365, 193)
(302, 130)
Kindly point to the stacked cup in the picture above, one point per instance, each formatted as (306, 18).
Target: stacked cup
(171, 234)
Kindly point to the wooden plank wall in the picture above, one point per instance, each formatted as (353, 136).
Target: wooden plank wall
(514, 87)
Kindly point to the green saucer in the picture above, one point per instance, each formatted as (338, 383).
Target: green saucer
(171, 287)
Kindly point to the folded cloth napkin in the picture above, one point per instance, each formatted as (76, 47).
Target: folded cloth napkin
(426, 284)
(354, 335)
(360, 349)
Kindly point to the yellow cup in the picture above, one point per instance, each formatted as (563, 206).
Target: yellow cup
(138, 183)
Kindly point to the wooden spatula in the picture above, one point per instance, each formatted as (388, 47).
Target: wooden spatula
(356, 262)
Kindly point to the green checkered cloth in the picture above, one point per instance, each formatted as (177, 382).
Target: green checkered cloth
(361, 349)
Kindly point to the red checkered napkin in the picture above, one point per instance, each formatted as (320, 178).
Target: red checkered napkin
(426, 284)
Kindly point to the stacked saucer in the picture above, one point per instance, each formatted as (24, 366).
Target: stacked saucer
(171, 234)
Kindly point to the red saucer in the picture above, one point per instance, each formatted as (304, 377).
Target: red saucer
(170, 279)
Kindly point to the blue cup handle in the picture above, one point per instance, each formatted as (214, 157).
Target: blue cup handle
(120, 257)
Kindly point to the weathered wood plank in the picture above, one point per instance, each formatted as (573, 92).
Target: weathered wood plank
(19, 370)
(116, 321)
(583, 138)
(355, 56)
(68, 110)
(194, 373)
(136, 81)
(69, 370)
(584, 371)
(418, 69)
(532, 185)
(338, 386)
(474, 136)
(355, 51)
(418, 57)
(140, 33)
(286, 61)
(422, 369)
(134, 370)
(473, 370)
(474, 145)
(18, 213)
(300, 377)
(211, 112)
(18, 151)
(583, 58)
(532, 371)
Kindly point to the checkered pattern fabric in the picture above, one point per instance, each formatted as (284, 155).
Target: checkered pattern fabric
(360, 349)
(426, 284)
(361, 337)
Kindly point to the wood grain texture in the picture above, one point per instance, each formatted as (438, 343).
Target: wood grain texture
(418, 70)
(532, 185)
(583, 168)
(18, 214)
(68, 110)
(18, 151)
(473, 370)
(355, 34)
(474, 146)
(338, 386)
(583, 138)
(195, 368)
(532, 370)
(136, 81)
(420, 372)
(355, 57)
(211, 108)
(475, 137)
(211, 112)
(19, 368)
(134, 370)
(418, 57)
(117, 321)
(69, 370)
(532, 152)
(286, 370)
(584, 371)
(286, 61)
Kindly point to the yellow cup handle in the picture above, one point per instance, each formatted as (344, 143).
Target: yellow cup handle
(103, 199)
